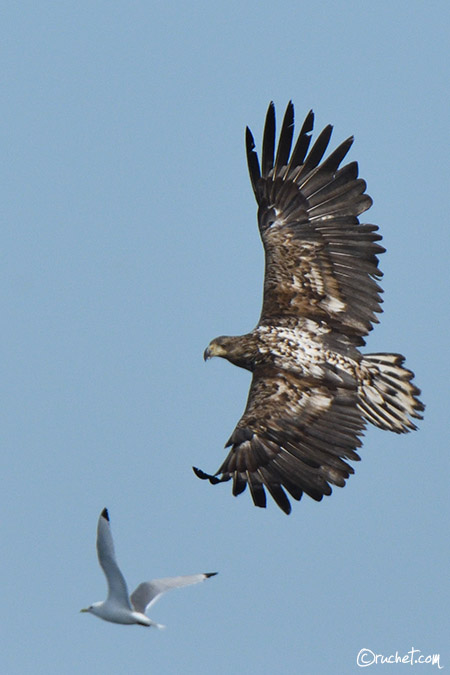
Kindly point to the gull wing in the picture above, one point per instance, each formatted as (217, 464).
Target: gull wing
(147, 593)
(117, 586)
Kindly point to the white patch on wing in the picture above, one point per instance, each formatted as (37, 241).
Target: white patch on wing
(296, 404)
(333, 304)
(278, 222)
(321, 400)
(302, 349)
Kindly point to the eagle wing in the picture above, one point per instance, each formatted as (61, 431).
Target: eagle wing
(293, 436)
(320, 261)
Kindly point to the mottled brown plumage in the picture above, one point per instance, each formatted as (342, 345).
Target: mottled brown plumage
(312, 390)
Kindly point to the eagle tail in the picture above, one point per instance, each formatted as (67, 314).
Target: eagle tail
(387, 396)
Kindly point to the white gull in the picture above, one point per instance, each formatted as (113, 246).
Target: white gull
(119, 606)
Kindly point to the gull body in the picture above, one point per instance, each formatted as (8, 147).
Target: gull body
(111, 611)
(119, 606)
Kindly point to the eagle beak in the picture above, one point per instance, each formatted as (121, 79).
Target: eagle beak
(207, 354)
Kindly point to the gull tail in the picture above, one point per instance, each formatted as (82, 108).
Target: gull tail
(387, 397)
(153, 624)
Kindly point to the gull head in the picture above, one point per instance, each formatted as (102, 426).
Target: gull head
(93, 609)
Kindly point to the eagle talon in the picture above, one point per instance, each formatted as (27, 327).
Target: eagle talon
(207, 476)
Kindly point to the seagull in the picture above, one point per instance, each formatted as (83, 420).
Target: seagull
(119, 607)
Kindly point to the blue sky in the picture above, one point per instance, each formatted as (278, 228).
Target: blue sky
(129, 240)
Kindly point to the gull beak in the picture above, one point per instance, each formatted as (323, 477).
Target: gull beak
(84, 610)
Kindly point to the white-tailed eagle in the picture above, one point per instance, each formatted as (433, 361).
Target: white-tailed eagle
(312, 390)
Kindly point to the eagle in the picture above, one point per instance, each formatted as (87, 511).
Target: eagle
(312, 390)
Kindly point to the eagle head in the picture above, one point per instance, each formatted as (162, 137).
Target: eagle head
(239, 350)
(217, 347)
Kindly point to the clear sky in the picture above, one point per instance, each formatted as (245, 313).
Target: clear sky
(128, 241)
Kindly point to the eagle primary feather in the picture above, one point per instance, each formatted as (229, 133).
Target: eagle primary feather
(312, 390)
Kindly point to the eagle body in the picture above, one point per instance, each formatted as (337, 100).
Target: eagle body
(312, 389)
(303, 350)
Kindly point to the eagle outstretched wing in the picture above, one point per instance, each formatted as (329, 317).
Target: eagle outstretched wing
(312, 390)
(293, 436)
(320, 261)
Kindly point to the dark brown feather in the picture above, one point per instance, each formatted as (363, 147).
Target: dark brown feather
(291, 436)
(252, 161)
(285, 142)
(308, 218)
(268, 146)
(302, 145)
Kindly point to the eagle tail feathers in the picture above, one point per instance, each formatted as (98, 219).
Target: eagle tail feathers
(387, 397)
